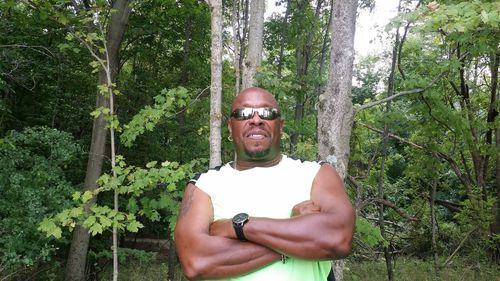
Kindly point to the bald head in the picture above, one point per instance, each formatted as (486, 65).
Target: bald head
(254, 97)
(256, 139)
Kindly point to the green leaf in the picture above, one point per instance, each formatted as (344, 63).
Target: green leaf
(95, 229)
(132, 205)
(76, 212)
(88, 222)
(134, 226)
(87, 195)
(50, 228)
(76, 195)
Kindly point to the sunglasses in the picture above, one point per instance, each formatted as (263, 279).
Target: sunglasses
(265, 113)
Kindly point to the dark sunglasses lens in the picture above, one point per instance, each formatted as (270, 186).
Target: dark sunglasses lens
(242, 113)
(265, 113)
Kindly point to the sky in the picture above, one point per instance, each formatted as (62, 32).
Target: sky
(368, 24)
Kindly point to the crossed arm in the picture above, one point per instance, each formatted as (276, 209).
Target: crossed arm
(320, 228)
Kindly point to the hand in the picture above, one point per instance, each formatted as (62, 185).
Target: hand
(304, 208)
(222, 228)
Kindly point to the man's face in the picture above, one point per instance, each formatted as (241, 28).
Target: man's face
(255, 138)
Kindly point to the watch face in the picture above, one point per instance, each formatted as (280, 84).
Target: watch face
(240, 218)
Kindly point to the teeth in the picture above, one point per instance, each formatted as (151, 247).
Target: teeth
(256, 136)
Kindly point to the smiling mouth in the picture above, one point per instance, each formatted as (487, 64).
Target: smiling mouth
(256, 136)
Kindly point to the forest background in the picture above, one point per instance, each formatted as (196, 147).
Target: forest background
(106, 111)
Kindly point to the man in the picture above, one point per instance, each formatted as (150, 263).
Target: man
(265, 216)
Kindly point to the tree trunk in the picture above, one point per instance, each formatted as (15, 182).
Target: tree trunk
(434, 228)
(381, 194)
(254, 58)
(284, 28)
(492, 116)
(336, 114)
(235, 21)
(385, 138)
(304, 56)
(216, 84)
(320, 85)
(75, 266)
(243, 37)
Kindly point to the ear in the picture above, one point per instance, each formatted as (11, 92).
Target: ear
(229, 127)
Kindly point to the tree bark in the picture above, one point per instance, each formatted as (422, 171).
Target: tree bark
(335, 116)
(254, 58)
(328, 27)
(434, 228)
(284, 28)
(385, 138)
(304, 56)
(75, 266)
(492, 115)
(216, 84)
(235, 20)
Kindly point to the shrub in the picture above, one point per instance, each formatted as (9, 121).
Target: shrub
(32, 185)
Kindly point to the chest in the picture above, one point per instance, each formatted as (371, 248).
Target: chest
(262, 193)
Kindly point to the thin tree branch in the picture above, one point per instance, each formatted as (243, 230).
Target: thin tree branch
(389, 204)
(35, 48)
(399, 94)
(403, 140)
(458, 248)
(452, 206)
(404, 93)
(440, 155)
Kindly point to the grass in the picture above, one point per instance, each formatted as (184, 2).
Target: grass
(133, 270)
(406, 269)
(419, 270)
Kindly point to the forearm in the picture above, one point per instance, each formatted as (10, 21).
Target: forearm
(312, 236)
(224, 257)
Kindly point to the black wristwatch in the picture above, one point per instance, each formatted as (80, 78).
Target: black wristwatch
(238, 222)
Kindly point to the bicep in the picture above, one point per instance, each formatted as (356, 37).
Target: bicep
(329, 194)
(195, 217)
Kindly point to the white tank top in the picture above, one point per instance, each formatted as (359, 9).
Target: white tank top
(265, 192)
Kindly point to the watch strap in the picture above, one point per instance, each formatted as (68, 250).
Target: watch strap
(239, 232)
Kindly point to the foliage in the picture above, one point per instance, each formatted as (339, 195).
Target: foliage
(33, 164)
(148, 118)
(47, 77)
(130, 181)
(368, 233)
(140, 185)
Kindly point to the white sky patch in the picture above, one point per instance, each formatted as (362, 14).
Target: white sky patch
(370, 37)
(369, 25)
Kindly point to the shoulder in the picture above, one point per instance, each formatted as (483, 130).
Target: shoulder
(301, 163)
(208, 174)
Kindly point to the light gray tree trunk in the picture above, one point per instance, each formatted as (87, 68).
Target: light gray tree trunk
(235, 22)
(336, 114)
(77, 258)
(255, 37)
(216, 84)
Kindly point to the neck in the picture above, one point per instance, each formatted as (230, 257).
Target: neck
(241, 165)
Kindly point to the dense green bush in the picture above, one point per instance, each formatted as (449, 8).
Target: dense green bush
(33, 185)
